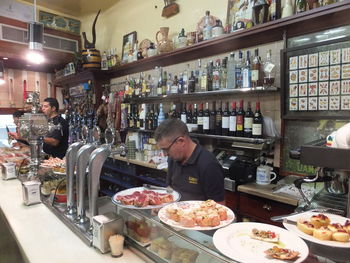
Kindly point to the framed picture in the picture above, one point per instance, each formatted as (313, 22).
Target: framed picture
(239, 10)
(129, 41)
(57, 22)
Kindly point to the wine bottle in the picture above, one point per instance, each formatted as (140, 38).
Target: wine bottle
(218, 120)
(210, 76)
(161, 116)
(212, 119)
(257, 122)
(204, 79)
(184, 114)
(240, 120)
(155, 119)
(225, 121)
(206, 116)
(233, 121)
(189, 118)
(195, 118)
(191, 83)
(200, 119)
(248, 121)
(223, 74)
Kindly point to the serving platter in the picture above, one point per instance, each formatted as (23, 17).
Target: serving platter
(234, 241)
(176, 196)
(306, 216)
(187, 206)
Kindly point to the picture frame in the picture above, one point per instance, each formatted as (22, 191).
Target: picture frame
(239, 10)
(61, 23)
(129, 41)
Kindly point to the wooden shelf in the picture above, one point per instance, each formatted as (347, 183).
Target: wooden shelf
(216, 94)
(311, 21)
(134, 161)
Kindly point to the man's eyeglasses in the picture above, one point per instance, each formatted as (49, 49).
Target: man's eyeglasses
(167, 149)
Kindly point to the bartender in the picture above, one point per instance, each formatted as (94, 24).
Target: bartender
(192, 170)
(16, 135)
(56, 141)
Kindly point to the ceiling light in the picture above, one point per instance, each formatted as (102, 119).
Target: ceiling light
(5, 58)
(2, 73)
(36, 39)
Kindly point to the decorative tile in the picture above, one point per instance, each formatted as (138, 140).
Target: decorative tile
(323, 103)
(293, 76)
(334, 87)
(303, 61)
(313, 60)
(302, 90)
(293, 90)
(323, 58)
(345, 102)
(334, 102)
(303, 103)
(303, 75)
(313, 74)
(345, 71)
(334, 72)
(335, 56)
(323, 73)
(323, 88)
(313, 104)
(345, 87)
(293, 63)
(313, 89)
(293, 104)
(345, 55)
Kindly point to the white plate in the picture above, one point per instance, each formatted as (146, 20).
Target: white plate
(190, 205)
(307, 216)
(234, 241)
(176, 197)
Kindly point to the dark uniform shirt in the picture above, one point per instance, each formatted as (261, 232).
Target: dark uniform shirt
(200, 178)
(60, 134)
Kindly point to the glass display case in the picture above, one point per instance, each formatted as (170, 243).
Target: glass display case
(145, 233)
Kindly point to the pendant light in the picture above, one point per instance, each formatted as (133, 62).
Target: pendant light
(36, 39)
(2, 73)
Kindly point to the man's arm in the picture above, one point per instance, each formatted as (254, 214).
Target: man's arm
(213, 182)
(51, 141)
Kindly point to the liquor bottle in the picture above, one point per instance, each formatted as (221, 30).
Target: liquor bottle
(195, 118)
(173, 113)
(225, 121)
(300, 6)
(155, 118)
(223, 74)
(239, 71)
(274, 10)
(216, 75)
(104, 61)
(256, 71)
(137, 117)
(160, 85)
(185, 81)
(109, 59)
(248, 121)
(148, 111)
(231, 74)
(113, 58)
(161, 116)
(204, 79)
(169, 84)
(197, 76)
(150, 118)
(218, 120)
(129, 117)
(137, 89)
(175, 86)
(189, 118)
(184, 114)
(180, 84)
(200, 119)
(247, 73)
(233, 121)
(269, 71)
(257, 122)
(240, 120)
(207, 27)
(142, 116)
(210, 76)
(191, 83)
(287, 9)
(206, 116)
(212, 119)
(164, 81)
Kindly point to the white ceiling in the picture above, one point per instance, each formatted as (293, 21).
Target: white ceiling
(75, 7)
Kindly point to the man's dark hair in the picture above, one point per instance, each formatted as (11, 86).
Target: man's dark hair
(53, 103)
(171, 128)
(17, 113)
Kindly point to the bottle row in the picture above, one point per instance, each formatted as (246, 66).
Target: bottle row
(227, 73)
(220, 119)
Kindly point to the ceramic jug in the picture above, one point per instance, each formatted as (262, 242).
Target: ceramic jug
(164, 44)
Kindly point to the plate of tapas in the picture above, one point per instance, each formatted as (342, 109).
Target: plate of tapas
(324, 229)
(258, 242)
(142, 198)
(196, 215)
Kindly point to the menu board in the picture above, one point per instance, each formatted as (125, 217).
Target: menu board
(317, 80)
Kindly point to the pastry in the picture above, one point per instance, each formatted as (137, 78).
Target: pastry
(305, 226)
(281, 253)
(319, 220)
(322, 233)
(265, 235)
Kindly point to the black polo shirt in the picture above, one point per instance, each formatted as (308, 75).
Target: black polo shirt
(200, 178)
(58, 134)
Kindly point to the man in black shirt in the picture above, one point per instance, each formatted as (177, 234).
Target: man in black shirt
(56, 141)
(192, 170)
